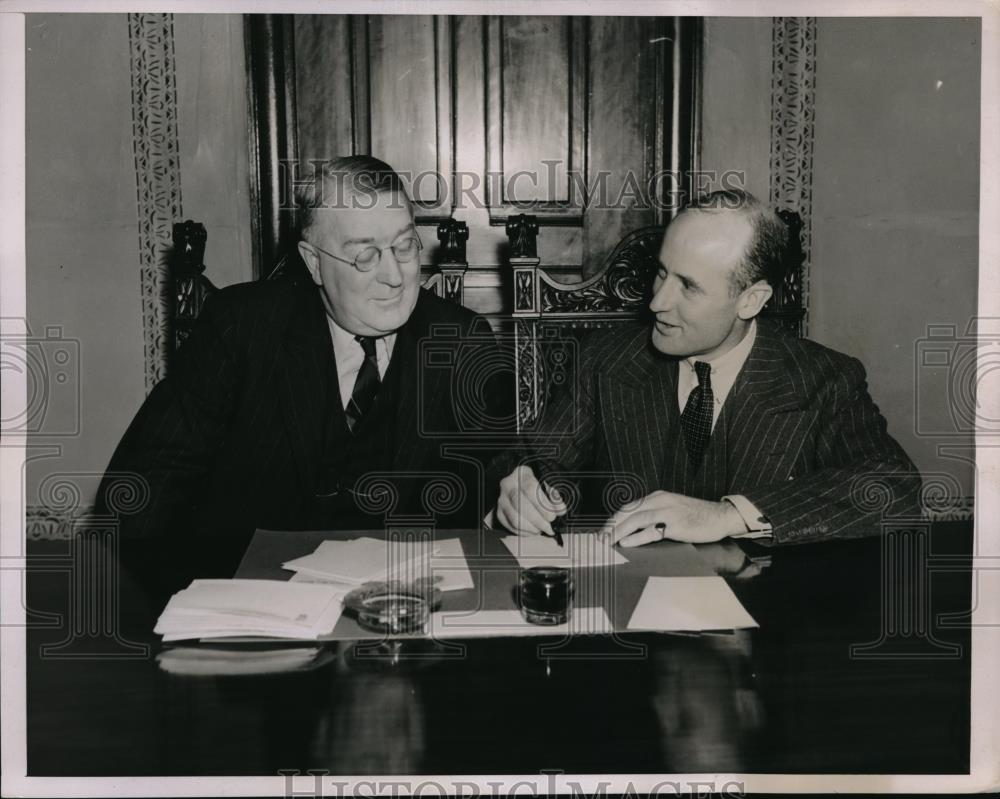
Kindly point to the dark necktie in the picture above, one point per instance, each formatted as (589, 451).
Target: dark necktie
(365, 386)
(696, 420)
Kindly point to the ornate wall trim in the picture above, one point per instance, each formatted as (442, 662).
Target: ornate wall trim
(43, 523)
(157, 174)
(793, 111)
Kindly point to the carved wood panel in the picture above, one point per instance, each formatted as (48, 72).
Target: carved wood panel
(379, 84)
(157, 173)
(610, 102)
(793, 102)
(536, 86)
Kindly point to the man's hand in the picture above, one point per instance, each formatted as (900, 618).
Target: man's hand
(525, 507)
(664, 515)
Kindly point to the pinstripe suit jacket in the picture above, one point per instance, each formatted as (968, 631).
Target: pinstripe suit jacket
(798, 435)
(232, 439)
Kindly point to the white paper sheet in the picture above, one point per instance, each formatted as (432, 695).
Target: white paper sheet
(579, 551)
(496, 623)
(689, 604)
(361, 560)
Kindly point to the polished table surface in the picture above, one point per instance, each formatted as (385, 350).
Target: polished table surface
(860, 665)
(494, 571)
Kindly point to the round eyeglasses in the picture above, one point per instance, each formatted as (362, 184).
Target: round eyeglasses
(403, 251)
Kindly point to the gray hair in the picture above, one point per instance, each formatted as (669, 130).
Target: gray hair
(350, 178)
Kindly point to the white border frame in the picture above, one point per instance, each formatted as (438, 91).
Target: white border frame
(985, 746)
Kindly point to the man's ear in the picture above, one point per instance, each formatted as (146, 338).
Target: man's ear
(752, 300)
(311, 259)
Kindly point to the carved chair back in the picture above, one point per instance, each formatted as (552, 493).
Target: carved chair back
(189, 288)
(549, 316)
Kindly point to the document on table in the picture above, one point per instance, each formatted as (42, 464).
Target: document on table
(360, 560)
(671, 604)
(580, 551)
(496, 623)
(268, 608)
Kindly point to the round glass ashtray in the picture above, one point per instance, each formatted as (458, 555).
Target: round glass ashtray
(393, 607)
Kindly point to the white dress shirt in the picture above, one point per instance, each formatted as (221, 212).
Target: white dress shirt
(725, 369)
(350, 357)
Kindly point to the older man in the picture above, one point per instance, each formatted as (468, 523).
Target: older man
(298, 405)
(730, 426)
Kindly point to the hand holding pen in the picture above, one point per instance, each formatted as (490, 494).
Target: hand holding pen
(528, 506)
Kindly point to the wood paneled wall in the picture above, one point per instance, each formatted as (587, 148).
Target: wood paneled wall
(568, 118)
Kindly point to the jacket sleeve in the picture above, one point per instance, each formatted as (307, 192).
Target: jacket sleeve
(169, 446)
(861, 475)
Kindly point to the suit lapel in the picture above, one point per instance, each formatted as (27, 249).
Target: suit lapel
(643, 430)
(421, 395)
(307, 383)
(763, 389)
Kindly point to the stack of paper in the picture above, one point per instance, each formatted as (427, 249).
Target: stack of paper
(268, 608)
(579, 551)
(348, 564)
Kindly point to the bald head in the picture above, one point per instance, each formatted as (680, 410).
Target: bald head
(765, 253)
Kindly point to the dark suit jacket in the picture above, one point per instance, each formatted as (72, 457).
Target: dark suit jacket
(233, 438)
(800, 436)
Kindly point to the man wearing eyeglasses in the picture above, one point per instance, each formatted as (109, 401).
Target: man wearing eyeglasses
(308, 404)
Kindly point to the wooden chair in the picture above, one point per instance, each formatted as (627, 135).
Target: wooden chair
(189, 287)
(548, 316)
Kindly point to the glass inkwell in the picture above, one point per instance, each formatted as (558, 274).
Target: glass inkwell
(546, 595)
(393, 607)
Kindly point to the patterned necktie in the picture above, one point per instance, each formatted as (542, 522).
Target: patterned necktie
(365, 386)
(696, 420)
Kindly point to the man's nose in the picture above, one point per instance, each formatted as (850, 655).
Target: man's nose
(389, 271)
(663, 298)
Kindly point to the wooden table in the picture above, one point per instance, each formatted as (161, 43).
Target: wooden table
(829, 683)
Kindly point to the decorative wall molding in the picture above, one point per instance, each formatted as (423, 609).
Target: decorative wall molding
(952, 509)
(793, 111)
(157, 173)
(43, 523)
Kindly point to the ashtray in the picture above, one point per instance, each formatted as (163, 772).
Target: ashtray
(393, 607)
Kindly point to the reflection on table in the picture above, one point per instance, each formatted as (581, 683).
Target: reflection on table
(826, 684)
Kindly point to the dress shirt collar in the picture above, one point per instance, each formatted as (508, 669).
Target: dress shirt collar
(726, 367)
(349, 357)
(344, 343)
